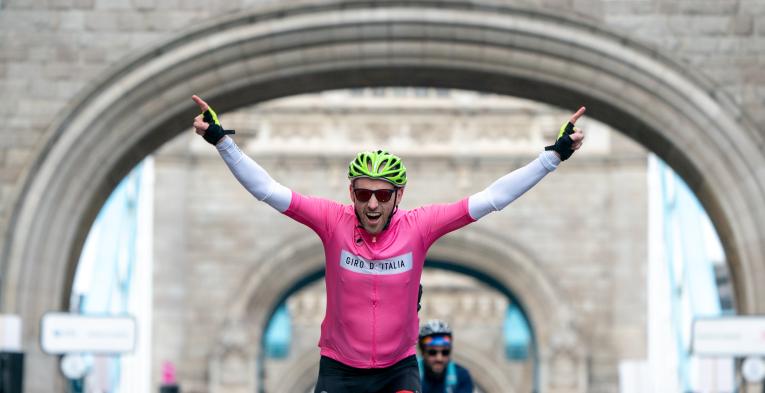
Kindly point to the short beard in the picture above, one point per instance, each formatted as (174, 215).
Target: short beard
(429, 372)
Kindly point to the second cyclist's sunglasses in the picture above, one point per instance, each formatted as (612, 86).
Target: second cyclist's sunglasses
(382, 195)
(434, 352)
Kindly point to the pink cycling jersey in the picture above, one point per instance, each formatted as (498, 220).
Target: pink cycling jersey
(373, 280)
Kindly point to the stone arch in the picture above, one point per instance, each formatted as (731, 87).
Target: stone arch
(284, 49)
(256, 300)
(515, 270)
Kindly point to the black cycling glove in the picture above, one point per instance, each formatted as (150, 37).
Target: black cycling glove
(563, 145)
(215, 131)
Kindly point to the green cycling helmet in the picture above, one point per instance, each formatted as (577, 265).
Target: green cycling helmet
(378, 165)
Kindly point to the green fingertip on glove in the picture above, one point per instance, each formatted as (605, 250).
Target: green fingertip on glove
(567, 126)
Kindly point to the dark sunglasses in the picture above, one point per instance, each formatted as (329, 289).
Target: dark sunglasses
(382, 195)
(434, 352)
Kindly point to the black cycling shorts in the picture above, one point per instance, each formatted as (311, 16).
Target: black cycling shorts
(336, 377)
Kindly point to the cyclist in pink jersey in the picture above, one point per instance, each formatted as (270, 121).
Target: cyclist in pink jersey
(375, 252)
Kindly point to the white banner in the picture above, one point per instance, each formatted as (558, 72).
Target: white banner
(10, 333)
(735, 336)
(63, 333)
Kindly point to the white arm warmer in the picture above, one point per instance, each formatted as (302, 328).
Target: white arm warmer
(509, 187)
(253, 177)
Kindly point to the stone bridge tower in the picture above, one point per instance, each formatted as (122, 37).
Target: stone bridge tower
(90, 87)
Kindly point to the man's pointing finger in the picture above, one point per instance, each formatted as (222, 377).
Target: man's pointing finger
(202, 105)
(575, 117)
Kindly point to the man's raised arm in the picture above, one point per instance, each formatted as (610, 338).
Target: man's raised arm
(511, 186)
(251, 175)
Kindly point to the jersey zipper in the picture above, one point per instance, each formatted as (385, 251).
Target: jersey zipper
(374, 315)
(374, 321)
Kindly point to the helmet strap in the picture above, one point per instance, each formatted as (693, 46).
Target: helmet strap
(395, 209)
